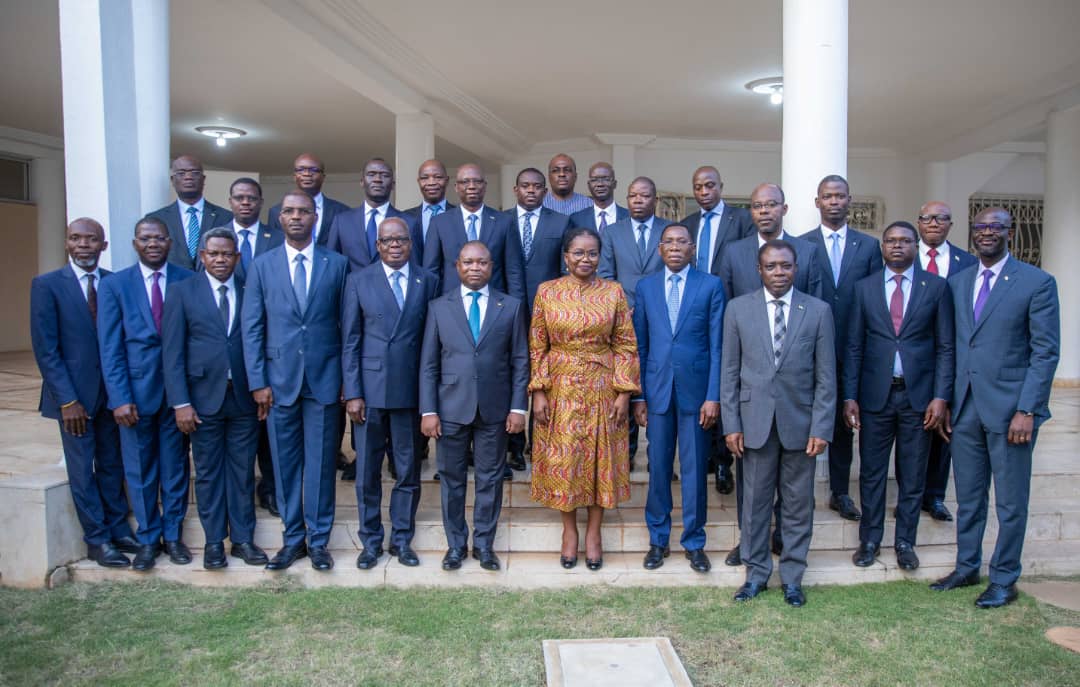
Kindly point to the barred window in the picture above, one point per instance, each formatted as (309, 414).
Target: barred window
(865, 213)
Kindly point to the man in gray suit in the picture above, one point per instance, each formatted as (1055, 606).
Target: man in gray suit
(778, 402)
(191, 215)
(474, 377)
(628, 251)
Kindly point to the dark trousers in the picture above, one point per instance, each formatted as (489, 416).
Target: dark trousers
(223, 450)
(665, 429)
(633, 438)
(369, 441)
(489, 451)
(897, 422)
(265, 459)
(522, 440)
(305, 441)
(96, 475)
(982, 453)
(938, 464)
(840, 454)
(155, 454)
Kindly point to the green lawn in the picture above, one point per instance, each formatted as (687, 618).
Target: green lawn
(875, 634)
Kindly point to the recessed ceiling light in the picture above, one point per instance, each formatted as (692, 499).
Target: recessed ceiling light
(772, 86)
(221, 133)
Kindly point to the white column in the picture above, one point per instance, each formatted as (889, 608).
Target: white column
(414, 142)
(815, 51)
(507, 179)
(1060, 252)
(47, 192)
(114, 68)
(624, 156)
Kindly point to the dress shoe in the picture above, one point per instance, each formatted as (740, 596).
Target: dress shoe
(348, 473)
(146, 557)
(655, 557)
(996, 596)
(452, 559)
(269, 502)
(251, 554)
(777, 544)
(734, 556)
(594, 564)
(488, 559)
(214, 556)
(568, 562)
(508, 474)
(793, 595)
(286, 556)
(516, 460)
(937, 510)
(724, 482)
(320, 558)
(178, 552)
(749, 590)
(126, 544)
(107, 556)
(955, 580)
(436, 476)
(905, 556)
(865, 555)
(368, 558)
(405, 555)
(699, 562)
(342, 460)
(843, 504)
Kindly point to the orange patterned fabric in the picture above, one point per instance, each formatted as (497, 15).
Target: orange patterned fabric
(583, 355)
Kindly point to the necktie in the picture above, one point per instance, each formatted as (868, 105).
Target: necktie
(603, 220)
(432, 211)
(471, 233)
(372, 234)
(896, 303)
(245, 248)
(299, 282)
(641, 240)
(705, 243)
(223, 306)
(931, 266)
(192, 232)
(984, 293)
(779, 331)
(474, 316)
(673, 301)
(834, 257)
(156, 301)
(526, 235)
(395, 286)
(91, 297)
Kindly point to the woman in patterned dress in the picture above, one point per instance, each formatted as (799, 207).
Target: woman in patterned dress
(584, 369)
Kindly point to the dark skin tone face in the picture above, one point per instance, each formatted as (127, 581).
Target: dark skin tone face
(833, 202)
(152, 244)
(676, 248)
(378, 182)
(707, 187)
(309, 173)
(898, 248)
(85, 242)
(767, 207)
(471, 186)
(394, 244)
(297, 219)
(602, 184)
(991, 244)
(245, 201)
(474, 265)
(582, 257)
(530, 190)
(186, 174)
(777, 269)
(432, 180)
(641, 200)
(934, 230)
(219, 256)
(562, 175)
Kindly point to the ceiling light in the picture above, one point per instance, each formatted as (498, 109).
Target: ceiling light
(221, 133)
(772, 86)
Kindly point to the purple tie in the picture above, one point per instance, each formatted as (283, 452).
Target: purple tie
(984, 293)
(156, 302)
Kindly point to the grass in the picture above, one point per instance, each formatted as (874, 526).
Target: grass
(163, 634)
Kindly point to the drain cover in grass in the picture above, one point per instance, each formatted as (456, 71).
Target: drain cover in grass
(644, 661)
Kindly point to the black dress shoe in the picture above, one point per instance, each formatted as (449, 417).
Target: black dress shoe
(269, 502)
(488, 559)
(699, 562)
(146, 557)
(320, 558)
(107, 556)
(905, 556)
(126, 545)
(937, 510)
(568, 562)
(286, 556)
(734, 556)
(452, 559)
(865, 555)
(516, 460)
(348, 473)
(405, 555)
(178, 552)
(214, 556)
(436, 476)
(368, 558)
(594, 564)
(655, 557)
(508, 474)
(777, 544)
(845, 506)
(251, 554)
(793, 595)
(955, 580)
(749, 590)
(996, 596)
(724, 482)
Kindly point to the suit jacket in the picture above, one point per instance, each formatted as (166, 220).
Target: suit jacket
(446, 236)
(959, 260)
(380, 356)
(1006, 361)
(212, 216)
(198, 353)
(926, 343)
(283, 346)
(735, 224)
(130, 345)
(620, 259)
(463, 380)
(65, 343)
(266, 237)
(545, 261)
(331, 209)
(416, 228)
(348, 236)
(799, 394)
(684, 363)
(738, 268)
(586, 218)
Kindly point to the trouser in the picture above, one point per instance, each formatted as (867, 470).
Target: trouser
(95, 472)
(155, 454)
(665, 430)
(489, 451)
(369, 440)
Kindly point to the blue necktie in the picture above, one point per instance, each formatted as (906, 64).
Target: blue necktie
(395, 285)
(299, 282)
(834, 258)
(192, 232)
(471, 232)
(705, 243)
(526, 235)
(372, 234)
(474, 316)
(603, 221)
(245, 248)
(432, 211)
(673, 301)
(641, 241)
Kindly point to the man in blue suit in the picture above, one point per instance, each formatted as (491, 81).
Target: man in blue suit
(382, 325)
(897, 384)
(191, 215)
(679, 328)
(131, 305)
(206, 386)
(63, 313)
(845, 257)
(1008, 339)
(309, 173)
(432, 180)
(354, 233)
(716, 225)
(292, 353)
(604, 210)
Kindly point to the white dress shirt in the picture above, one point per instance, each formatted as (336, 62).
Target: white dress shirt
(533, 221)
(718, 212)
(198, 205)
(610, 212)
(148, 281)
(682, 282)
(404, 281)
(81, 276)
(252, 236)
(942, 258)
(479, 220)
(905, 289)
(379, 212)
(425, 213)
(771, 311)
(827, 234)
(309, 256)
(231, 293)
(634, 224)
(761, 242)
(995, 268)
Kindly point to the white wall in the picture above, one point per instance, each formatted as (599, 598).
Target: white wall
(1025, 175)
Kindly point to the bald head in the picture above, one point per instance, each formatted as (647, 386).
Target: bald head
(934, 223)
(432, 180)
(309, 173)
(562, 176)
(84, 242)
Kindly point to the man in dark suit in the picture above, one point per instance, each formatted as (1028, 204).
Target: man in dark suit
(292, 353)
(131, 305)
(206, 385)
(778, 396)
(939, 256)
(474, 221)
(1008, 340)
(309, 173)
(191, 214)
(354, 233)
(473, 387)
(604, 211)
(678, 321)
(897, 380)
(382, 327)
(432, 180)
(63, 313)
(845, 257)
(716, 225)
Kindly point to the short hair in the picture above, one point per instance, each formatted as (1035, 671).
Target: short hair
(298, 193)
(675, 225)
(534, 170)
(646, 180)
(833, 178)
(770, 184)
(245, 180)
(222, 232)
(777, 244)
(477, 242)
(151, 220)
(382, 160)
(394, 220)
(904, 225)
(570, 234)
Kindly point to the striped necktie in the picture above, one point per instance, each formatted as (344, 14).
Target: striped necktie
(192, 232)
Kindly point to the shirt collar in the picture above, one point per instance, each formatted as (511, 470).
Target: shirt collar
(80, 272)
(214, 283)
(718, 210)
(996, 267)
(254, 228)
(404, 269)
(682, 273)
(780, 237)
(198, 205)
(521, 212)
(942, 250)
(147, 272)
(308, 252)
(381, 209)
(786, 298)
(827, 232)
(319, 198)
(465, 214)
(909, 274)
(465, 291)
(648, 223)
(441, 205)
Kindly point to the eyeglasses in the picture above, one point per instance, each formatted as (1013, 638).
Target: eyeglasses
(394, 240)
(991, 228)
(930, 219)
(307, 170)
(193, 173)
(582, 254)
(675, 242)
(769, 205)
(901, 241)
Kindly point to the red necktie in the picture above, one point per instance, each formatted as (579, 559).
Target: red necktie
(91, 297)
(896, 304)
(931, 266)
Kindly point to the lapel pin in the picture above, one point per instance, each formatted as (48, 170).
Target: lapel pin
(266, 236)
(499, 304)
(922, 283)
(418, 280)
(801, 308)
(1006, 277)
